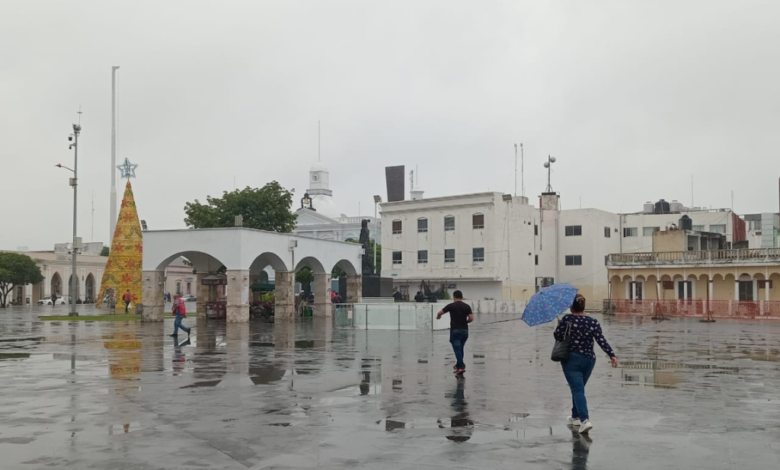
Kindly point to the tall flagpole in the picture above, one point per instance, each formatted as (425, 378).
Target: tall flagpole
(112, 212)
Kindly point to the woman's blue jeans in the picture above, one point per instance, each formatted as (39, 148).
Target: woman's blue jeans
(577, 369)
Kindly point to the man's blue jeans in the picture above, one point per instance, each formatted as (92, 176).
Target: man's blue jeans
(177, 325)
(577, 369)
(458, 340)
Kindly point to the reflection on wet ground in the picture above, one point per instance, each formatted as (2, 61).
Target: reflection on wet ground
(124, 395)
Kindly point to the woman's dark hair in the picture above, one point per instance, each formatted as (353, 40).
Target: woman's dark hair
(578, 305)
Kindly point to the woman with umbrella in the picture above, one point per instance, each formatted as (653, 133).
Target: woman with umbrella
(575, 335)
(582, 331)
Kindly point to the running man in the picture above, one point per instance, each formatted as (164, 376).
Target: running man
(460, 317)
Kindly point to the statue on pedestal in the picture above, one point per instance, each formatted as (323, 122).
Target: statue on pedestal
(365, 241)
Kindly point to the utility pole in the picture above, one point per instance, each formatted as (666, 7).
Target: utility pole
(112, 211)
(74, 277)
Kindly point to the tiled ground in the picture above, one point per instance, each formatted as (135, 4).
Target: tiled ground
(125, 396)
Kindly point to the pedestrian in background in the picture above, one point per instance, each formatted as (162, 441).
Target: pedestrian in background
(127, 298)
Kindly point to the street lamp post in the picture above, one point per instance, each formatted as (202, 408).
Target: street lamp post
(74, 277)
(377, 200)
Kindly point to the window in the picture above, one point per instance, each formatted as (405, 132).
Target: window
(698, 228)
(536, 230)
(178, 288)
(449, 255)
(397, 227)
(478, 220)
(649, 231)
(189, 288)
(422, 225)
(573, 230)
(635, 287)
(746, 291)
(397, 257)
(629, 232)
(573, 260)
(449, 224)
(536, 260)
(478, 255)
(607, 232)
(422, 257)
(718, 228)
(683, 287)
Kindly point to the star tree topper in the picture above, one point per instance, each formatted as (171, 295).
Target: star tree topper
(127, 169)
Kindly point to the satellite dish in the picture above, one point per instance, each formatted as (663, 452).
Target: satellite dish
(547, 164)
(552, 159)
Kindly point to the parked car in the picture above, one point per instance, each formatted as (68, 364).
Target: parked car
(47, 301)
(189, 298)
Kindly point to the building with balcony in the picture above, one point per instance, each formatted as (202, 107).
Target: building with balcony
(673, 278)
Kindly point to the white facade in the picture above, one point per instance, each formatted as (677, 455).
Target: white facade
(572, 247)
(524, 247)
(441, 242)
(56, 267)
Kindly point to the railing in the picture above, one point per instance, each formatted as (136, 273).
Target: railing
(759, 255)
(763, 309)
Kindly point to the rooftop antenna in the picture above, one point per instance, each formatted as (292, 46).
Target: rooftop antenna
(515, 170)
(79, 115)
(417, 172)
(548, 165)
(692, 203)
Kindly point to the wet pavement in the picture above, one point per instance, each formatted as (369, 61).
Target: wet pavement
(124, 395)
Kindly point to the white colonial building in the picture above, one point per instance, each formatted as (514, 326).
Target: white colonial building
(57, 269)
(320, 217)
(495, 246)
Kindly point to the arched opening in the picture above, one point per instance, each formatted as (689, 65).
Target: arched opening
(341, 270)
(199, 278)
(262, 284)
(90, 289)
(56, 284)
(304, 276)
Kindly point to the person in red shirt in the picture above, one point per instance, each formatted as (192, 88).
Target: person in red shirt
(127, 298)
(180, 311)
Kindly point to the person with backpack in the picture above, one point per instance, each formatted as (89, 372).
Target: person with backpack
(180, 312)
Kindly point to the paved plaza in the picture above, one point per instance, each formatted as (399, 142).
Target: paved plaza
(80, 395)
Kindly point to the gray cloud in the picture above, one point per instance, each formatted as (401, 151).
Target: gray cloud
(631, 97)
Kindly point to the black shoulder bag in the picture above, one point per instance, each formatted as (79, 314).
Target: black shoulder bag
(560, 351)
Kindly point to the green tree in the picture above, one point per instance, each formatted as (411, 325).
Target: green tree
(105, 251)
(266, 208)
(16, 269)
(305, 276)
(338, 273)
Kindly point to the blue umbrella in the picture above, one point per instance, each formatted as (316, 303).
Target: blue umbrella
(548, 303)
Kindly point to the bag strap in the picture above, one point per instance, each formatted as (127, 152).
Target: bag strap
(568, 329)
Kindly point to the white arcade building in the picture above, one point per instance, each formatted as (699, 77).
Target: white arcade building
(245, 253)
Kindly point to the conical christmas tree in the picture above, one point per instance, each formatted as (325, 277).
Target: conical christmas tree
(123, 270)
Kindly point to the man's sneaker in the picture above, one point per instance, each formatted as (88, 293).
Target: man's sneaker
(460, 371)
(173, 335)
(585, 426)
(573, 421)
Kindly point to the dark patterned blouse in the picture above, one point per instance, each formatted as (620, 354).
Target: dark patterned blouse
(582, 333)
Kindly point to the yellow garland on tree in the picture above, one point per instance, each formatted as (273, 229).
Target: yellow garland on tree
(123, 269)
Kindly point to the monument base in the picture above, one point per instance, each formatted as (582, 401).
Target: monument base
(376, 286)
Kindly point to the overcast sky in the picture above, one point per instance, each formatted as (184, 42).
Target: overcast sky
(632, 97)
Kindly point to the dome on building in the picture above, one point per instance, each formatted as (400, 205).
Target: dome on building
(326, 206)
